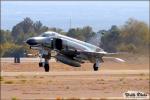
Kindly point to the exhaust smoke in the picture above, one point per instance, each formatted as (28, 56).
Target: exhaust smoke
(96, 39)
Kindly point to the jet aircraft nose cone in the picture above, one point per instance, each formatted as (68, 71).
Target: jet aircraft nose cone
(31, 42)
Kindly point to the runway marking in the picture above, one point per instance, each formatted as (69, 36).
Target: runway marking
(78, 73)
(24, 60)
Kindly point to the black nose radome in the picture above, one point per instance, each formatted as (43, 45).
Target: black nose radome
(31, 42)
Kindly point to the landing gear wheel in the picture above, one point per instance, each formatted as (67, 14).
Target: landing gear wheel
(46, 67)
(40, 64)
(95, 67)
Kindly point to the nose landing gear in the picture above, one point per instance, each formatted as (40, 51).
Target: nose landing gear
(40, 64)
(45, 65)
(45, 62)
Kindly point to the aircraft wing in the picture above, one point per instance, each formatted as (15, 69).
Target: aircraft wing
(101, 54)
(93, 54)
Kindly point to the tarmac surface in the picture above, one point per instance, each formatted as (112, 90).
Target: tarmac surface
(10, 59)
(79, 73)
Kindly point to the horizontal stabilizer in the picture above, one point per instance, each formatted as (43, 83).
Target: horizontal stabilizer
(114, 59)
(120, 60)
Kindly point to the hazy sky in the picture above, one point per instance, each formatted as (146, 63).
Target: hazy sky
(98, 14)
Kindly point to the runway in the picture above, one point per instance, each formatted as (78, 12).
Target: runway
(11, 59)
(37, 59)
(78, 73)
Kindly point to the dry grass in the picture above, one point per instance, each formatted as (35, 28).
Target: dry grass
(121, 79)
(140, 79)
(142, 74)
(103, 99)
(100, 80)
(34, 76)
(73, 98)
(20, 76)
(49, 81)
(41, 77)
(67, 87)
(23, 81)
(59, 98)
(14, 98)
(1, 78)
(8, 82)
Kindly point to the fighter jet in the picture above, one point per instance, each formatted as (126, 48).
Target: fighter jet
(68, 50)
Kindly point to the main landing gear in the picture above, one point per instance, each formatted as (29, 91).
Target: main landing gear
(40, 64)
(46, 65)
(96, 65)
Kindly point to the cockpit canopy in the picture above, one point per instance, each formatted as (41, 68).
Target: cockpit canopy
(48, 34)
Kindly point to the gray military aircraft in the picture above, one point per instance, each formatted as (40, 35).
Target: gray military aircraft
(68, 50)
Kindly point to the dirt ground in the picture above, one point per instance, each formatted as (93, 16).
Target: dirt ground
(74, 86)
(33, 66)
